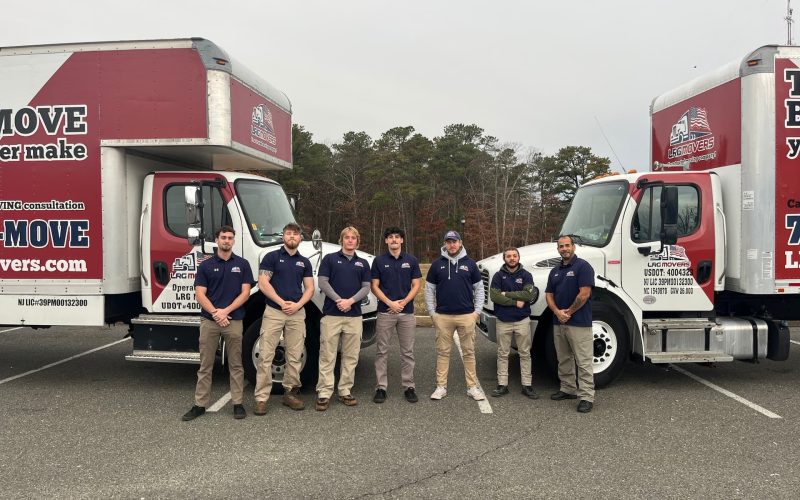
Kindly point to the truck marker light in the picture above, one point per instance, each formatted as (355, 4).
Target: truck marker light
(615, 261)
(754, 62)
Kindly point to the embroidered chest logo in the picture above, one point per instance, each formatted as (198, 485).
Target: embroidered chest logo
(406, 265)
(236, 269)
(570, 273)
(300, 263)
(518, 280)
(358, 264)
(463, 268)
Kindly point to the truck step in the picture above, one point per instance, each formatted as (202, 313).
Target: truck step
(164, 356)
(687, 357)
(166, 319)
(678, 324)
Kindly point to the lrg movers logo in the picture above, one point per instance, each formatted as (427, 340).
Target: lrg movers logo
(262, 129)
(691, 135)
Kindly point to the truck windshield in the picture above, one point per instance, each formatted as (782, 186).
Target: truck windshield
(594, 212)
(266, 210)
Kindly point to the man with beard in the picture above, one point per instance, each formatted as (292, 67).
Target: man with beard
(344, 279)
(512, 293)
(569, 297)
(284, 277)
(396, 279)
(454, 296)
(222, 286)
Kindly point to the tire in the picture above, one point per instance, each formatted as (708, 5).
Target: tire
(309, 358)
(611, 345)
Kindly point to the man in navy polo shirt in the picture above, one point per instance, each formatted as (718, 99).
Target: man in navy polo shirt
(454, 296)
(568, 293)
(222, 286)
(344, 279)
(284, 277)
(512, 293)
(396, 279)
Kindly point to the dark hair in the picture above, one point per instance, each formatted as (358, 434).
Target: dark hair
(224, 229)
(292, 226)
(571, 241)
(510, 249)
(393, 230)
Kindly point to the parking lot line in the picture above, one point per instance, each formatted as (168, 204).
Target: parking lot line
(220, 402)
(45, 367)
(12, 329)
(484, 405)
(794, 342)
(726, 392)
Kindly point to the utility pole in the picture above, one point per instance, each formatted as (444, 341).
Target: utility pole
(789, 22)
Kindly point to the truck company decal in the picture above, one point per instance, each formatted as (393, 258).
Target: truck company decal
(686, 136)
(178, 294)
(52, 120)
(269, 129)
(262, 130)
(787, 179)
(668, 273)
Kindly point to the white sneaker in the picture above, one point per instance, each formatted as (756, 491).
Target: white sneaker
(475, 393)
(439, 393)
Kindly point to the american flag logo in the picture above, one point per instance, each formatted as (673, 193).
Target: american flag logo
(693, 124)
(671, 252)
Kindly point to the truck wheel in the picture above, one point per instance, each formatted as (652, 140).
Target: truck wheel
(309, 364)
(610, 345)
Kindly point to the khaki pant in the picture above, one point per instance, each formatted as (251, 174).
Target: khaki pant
(404, 325)
(333, 328)
(464, 324)
(575, 345)
(293, 328)
(210, 333)
(520, 331)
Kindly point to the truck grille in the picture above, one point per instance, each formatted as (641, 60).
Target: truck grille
(485, 279)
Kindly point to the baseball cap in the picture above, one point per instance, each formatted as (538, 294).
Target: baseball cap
(452, 235)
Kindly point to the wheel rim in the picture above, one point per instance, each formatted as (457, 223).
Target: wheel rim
(604, 345)
(278, 361)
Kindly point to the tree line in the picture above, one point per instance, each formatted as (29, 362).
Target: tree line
(496, 195)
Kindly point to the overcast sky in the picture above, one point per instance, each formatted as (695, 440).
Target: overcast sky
(540, 74)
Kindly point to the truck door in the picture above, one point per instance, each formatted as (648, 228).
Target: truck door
(676, 277)
(169, 261)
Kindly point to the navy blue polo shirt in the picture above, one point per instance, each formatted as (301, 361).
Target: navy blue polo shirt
(564, 283)
(507, 282)
(288, 272)
(223, 280)
(395, 276)
(454, 294)
(345, 277)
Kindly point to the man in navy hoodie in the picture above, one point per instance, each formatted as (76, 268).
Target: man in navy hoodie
(454, 296)
(512, 292)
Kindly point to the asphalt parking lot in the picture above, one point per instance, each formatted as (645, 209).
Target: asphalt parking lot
(96, 426)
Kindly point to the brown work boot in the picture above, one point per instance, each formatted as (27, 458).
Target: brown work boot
(322, 404)
(260, 408)
(348, 400)
(292, 399)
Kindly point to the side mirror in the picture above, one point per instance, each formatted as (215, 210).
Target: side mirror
(191, 195)
(669, 215)
(293, 198)
(316, 240)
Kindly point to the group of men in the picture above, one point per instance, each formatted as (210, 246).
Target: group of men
(454, 295)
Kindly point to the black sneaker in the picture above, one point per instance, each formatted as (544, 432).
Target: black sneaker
(380, 396)
(528, 391)
(585, 406)
(561, 395)
(238, 412)
(500, 390)
(411, 395)
(192, 414)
